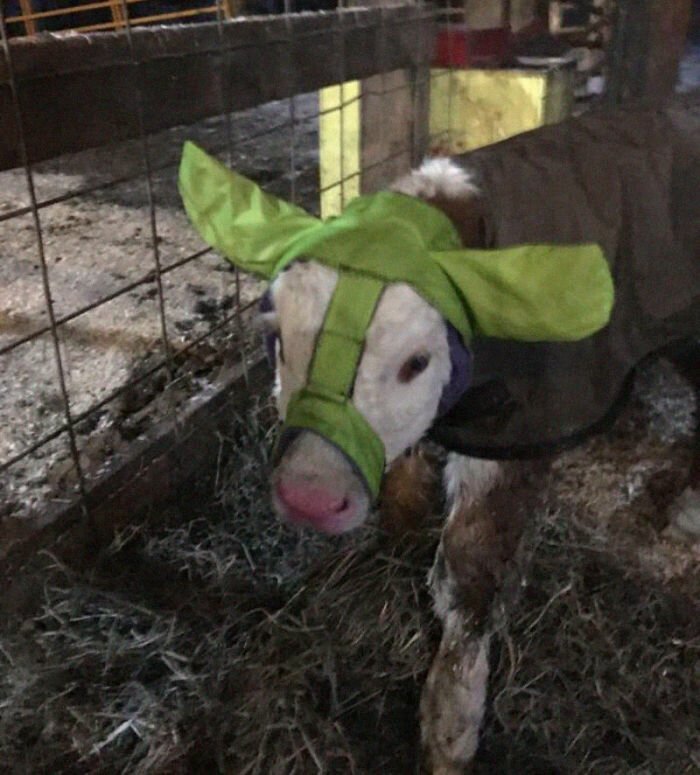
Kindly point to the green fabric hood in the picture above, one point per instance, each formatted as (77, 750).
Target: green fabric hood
(528, 292)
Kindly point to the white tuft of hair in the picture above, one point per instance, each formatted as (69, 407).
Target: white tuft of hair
(438, 177)
(468, 479)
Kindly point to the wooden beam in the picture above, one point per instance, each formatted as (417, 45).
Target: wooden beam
(360, 151)
(646, 49)
(391, 148)
(85, 91)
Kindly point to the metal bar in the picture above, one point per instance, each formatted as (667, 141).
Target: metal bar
(342, 79)
(145, 152)
(118, 20)
(225, 96)
(33, 16)
(27, 16)
(95, 6)
(20, 128)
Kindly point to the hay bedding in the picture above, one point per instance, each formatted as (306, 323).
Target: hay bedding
(221, 641)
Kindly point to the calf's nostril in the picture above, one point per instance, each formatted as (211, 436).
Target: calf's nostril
(309, 503)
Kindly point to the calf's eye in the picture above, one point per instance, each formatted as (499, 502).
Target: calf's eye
(413, 367)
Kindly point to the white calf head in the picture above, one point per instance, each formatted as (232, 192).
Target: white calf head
(404, 367)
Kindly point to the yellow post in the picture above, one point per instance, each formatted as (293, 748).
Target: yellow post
(340, 135)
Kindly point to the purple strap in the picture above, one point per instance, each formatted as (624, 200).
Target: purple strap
(461, 374)
(265, 305)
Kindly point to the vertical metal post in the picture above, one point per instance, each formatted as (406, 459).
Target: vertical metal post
(117, 14)
(151, 203)
(226, 108)
(48, 298)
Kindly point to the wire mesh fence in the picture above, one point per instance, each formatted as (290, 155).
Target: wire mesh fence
(113, 316)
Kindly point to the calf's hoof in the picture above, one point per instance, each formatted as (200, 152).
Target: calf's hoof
(452, 705)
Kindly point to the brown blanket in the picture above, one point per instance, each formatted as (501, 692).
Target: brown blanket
(629, 180)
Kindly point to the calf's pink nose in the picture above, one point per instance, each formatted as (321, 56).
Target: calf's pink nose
(306, 503)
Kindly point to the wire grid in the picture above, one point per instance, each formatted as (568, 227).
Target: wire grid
(293, 119)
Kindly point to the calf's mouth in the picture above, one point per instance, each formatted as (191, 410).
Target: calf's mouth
(316, 485)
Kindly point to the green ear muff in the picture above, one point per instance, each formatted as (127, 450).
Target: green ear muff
(236, 217)
(528, 293)
(533, 293)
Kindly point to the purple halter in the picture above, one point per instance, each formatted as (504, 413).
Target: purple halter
(461, 374)
(460, 358)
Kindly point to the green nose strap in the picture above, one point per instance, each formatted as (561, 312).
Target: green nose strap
(324, 405)
(342, 425)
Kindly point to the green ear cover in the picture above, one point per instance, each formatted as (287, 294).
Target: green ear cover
(528, 293)
(533, 293)
(236, 217)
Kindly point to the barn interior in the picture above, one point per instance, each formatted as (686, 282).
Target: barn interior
(156, 617)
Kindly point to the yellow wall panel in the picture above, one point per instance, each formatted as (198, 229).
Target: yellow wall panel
(473, 108)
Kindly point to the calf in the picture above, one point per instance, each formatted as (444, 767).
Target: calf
(506, 352)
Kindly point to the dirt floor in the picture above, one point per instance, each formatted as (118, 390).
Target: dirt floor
(212, 639)
(98, 242)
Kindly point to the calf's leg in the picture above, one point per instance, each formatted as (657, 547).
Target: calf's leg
(410, 492)
(472, 573)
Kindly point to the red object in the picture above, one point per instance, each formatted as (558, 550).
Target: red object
(458, 46)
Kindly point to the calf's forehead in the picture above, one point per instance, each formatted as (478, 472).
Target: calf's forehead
(402, 321)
